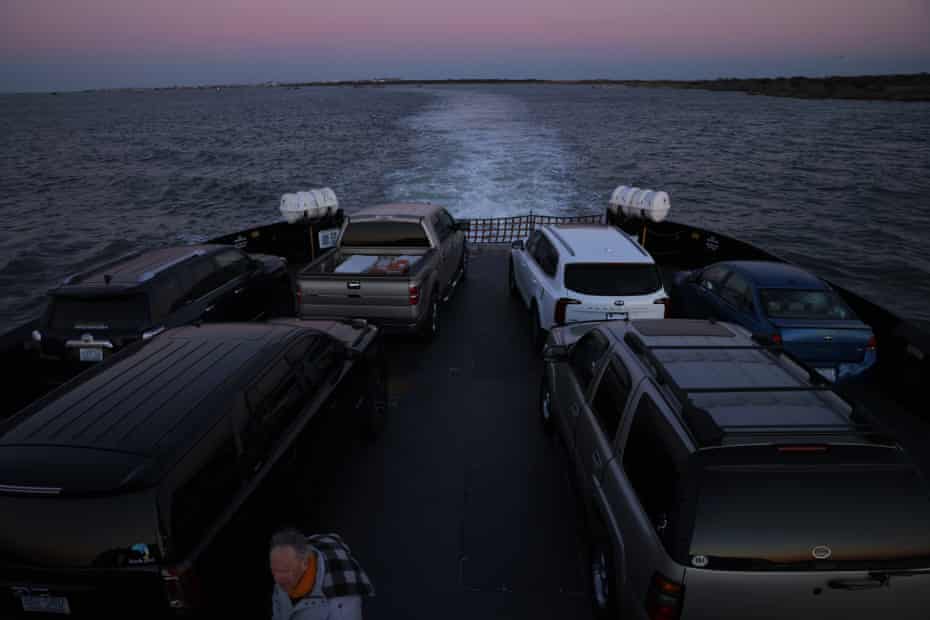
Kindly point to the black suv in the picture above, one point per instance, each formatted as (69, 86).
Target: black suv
(114, 485)
(94, 313)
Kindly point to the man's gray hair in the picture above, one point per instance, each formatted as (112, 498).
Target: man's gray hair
(293, 538)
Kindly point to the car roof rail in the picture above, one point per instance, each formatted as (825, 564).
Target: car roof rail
(151, 273)
(80, 275)
(709, 433)
(561, 239)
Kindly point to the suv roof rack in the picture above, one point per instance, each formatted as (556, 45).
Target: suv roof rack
(75, 278)
(709, 433)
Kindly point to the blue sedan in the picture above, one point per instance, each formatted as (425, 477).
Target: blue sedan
(784, 305)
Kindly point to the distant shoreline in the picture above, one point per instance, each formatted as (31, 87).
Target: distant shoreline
(899, 87)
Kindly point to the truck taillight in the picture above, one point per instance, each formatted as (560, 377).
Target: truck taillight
(664, 599)
(560, 307)
(414, 295)
(872, 343)
(664, 301)
(182, 588)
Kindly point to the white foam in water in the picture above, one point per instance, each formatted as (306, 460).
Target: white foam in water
(481, 155)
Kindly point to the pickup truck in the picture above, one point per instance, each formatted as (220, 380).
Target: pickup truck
(393, 265)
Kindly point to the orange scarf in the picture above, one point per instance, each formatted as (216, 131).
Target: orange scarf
(305, 585)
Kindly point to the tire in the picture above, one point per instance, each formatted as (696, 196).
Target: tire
(430, 328)
(545, 407)
(602, 578)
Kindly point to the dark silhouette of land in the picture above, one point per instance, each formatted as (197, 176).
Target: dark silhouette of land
(901, 87)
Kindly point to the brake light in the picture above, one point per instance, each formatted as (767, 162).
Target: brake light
(560, 307)
(872, 343)
(182, 588)
(665, 302)
(665, 598)
(776, 338)
(414, 294)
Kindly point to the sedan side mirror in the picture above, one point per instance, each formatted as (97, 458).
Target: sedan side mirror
(555, 353)
(517, 245)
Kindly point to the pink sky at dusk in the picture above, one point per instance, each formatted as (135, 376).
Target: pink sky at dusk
(612, 38)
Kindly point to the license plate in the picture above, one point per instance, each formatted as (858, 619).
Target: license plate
(612, 316)
(91, 355)
(828, 373)
(45, 604)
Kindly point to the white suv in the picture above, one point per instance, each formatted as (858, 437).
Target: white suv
(571, 273)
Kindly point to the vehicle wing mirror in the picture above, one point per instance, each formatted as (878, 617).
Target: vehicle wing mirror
(555, 353)
(517, 245)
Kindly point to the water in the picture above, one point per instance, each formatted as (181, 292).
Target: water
(842, 187)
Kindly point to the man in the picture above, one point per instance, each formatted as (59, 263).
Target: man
(316, 578)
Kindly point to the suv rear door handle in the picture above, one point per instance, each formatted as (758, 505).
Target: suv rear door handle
(208, 309)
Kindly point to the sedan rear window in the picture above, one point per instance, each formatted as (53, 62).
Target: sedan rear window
(612, 279)
(120, 312)
(381, 234)
(780, 303)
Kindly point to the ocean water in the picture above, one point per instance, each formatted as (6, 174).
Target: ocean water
(839, 186)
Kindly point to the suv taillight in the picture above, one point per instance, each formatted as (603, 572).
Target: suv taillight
(872, 344)
(664, 599)
(664, 301)
(414, 294)
(182, 588)
(560, 307)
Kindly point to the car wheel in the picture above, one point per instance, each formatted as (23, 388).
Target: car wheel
(512, 281)
(603, 581)
(539, 334)
(545, 407)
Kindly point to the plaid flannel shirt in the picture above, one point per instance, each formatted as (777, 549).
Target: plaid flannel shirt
(344, 576)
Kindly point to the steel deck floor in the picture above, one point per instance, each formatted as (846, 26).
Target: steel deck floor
(463, 508)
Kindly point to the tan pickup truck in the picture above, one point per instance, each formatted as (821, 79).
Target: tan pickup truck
(394, 265)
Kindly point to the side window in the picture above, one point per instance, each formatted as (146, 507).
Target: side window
(585, 355)
(546, 256)
(737, 292)
(202, 273)
(166, 295)
(447, 221)
(232, 263)
(610, 398)
(441, 228)
(532, 242)
(318, 362)
(651, 467)
(199, 501)
(275, 398)
(713, 278)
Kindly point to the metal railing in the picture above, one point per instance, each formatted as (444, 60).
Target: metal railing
(507, 229)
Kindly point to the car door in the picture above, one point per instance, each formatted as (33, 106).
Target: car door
(704, 292)
(573, 381)
(599, 421)
(544, 267)
(737, 303)
(242, 287)
(521, 266)
(637, 491)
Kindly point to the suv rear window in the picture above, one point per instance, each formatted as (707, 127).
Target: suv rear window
(124, 311)
(383, 234)
(769, 511)
(612, 279)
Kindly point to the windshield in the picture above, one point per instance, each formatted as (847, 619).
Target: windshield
(612, 279)
(129, 311)
(780, 303)
(385, 234)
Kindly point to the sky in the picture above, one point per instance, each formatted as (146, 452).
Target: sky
(82, 44)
